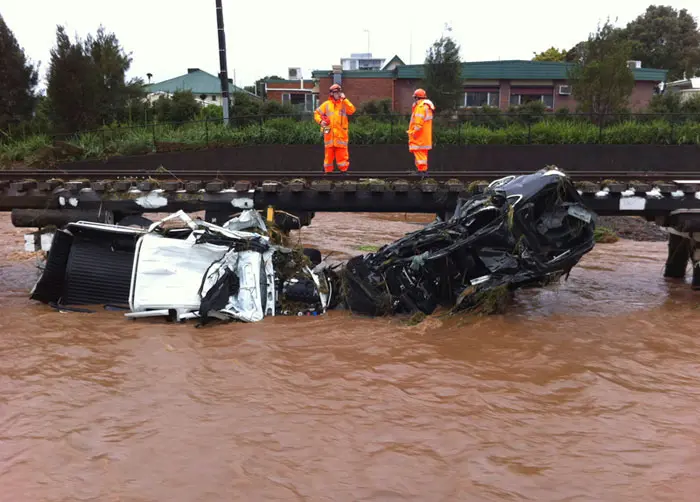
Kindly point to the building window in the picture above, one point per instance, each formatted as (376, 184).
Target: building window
(481, 98)
(521, 99)
(300, 100)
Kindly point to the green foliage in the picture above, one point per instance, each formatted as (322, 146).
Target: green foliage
(661, 37)
(244, 108)
(72, 85)
(551, 54)
(671, 106)
(211, 112)
(692, 105)
(378, 109)
(86, 82)
(605, 235)
(184, 106)
(602, 82)
(443, 74)
(110, 64)
(668, 102)
(665, 38)
(502, 130)
(18, 79)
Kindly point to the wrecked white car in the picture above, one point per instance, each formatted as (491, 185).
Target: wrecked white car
(182, 269)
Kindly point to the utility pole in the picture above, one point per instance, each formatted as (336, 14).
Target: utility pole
(223, 75)
(367, 42)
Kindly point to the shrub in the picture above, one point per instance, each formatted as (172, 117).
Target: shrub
(485, 127)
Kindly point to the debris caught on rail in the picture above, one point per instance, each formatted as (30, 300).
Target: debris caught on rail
(522, 231)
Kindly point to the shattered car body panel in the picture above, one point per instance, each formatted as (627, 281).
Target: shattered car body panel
(183, 269)
(220, 272)
(522, 231)
(88, 263)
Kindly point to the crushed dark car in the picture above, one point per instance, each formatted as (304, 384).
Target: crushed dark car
(521, 231)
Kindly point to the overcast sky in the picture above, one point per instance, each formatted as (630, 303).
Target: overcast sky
(266, 37)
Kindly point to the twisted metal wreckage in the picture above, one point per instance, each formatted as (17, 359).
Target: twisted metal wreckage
(521, 231)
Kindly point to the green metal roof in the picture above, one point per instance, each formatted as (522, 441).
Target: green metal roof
(356, 73)
(287, 81)
(197, 81)
(397, 59)
(507, 70)
(522, 70)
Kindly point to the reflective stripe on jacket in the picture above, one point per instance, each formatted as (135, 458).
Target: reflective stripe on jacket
(420, 129)
(336, 112)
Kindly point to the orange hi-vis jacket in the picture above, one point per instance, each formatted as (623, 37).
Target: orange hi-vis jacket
(420, 130)
(336, 113)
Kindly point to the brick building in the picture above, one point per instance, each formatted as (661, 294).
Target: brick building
(493, 83)
(300, 93)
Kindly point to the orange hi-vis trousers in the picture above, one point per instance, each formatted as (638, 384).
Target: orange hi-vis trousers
(340, 155)
(421, 157)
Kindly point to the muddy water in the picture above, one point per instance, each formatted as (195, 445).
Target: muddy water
(585, 391)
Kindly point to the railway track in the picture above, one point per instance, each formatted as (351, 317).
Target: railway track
(259, 175)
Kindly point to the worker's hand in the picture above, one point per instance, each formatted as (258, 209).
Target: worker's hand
(342, 95)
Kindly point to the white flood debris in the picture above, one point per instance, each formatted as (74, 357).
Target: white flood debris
(184, 268)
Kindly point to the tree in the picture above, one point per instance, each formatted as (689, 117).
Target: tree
(18, 79)
(184, 106)
(72, 85)
(602, 82)
(665, 38)
(86, 82)
(260, 84)
(443, 79)
(181, 107)
(551, 54)
(111, 64)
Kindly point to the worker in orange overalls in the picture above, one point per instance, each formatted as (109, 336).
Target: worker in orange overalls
(420, 130)
(332, 115)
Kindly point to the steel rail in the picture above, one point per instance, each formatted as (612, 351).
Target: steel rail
(203, 175)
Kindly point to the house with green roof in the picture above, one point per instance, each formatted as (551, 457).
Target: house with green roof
(486, 83)
(205, 87)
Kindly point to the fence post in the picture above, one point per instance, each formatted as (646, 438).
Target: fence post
(206, 131)
(153, 131)
(104, 142)
(600, 128)
(673, 124)
(529, 130)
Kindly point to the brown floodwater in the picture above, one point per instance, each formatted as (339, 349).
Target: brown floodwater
(584, 391)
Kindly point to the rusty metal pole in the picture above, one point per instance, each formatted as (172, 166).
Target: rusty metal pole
(223, 75)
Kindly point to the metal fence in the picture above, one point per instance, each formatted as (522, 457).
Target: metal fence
(207, 130)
